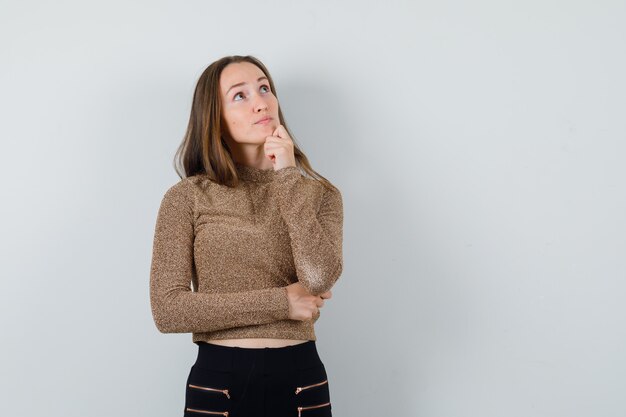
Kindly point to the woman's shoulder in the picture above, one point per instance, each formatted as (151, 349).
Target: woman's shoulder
(328, 194)
(185, 190)
(328, 189)
(191, 184)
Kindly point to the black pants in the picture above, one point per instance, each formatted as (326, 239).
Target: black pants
(285, 381)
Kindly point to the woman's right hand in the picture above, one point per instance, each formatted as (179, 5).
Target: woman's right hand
(302, 304)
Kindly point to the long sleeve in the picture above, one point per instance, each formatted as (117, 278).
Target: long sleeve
(314, 218)
(178, 309)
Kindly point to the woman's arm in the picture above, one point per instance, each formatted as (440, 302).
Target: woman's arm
(175, 308)
(314, 219)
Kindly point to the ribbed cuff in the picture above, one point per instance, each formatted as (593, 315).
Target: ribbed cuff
(286, 171)
(278, 300)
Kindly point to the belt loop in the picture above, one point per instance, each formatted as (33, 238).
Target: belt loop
(263, 357)
(231, 360)
(294, 358)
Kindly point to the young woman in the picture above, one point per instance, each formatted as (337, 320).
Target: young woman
(261, 244)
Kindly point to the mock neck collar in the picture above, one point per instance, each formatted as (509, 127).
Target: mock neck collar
(248, 173)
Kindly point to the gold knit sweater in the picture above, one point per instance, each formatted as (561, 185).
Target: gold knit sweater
(239, 248)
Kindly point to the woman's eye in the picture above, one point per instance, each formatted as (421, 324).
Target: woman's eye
(235, 96)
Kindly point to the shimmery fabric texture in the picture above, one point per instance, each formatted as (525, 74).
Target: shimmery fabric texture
(239, 248)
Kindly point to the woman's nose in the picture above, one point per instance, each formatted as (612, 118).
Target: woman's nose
(260, 103)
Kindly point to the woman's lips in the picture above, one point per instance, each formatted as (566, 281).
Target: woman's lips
(264, 121)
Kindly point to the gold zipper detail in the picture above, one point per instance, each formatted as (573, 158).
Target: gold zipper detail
(311, 406)
(225, 391)
(310, 386)
(224, 413)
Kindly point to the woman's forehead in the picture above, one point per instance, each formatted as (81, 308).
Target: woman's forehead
(238, 74)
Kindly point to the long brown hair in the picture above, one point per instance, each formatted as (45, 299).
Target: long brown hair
(203, 149)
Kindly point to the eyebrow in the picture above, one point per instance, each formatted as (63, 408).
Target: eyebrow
(242, 83)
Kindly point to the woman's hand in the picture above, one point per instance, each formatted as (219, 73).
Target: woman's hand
(279, 148)
(302, 304)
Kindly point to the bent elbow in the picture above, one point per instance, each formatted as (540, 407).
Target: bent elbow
(162, 323)
(322, 281)
(163, 318)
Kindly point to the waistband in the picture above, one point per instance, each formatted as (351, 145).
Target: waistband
(268, 359)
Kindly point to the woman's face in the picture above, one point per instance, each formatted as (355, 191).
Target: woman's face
(246, 98)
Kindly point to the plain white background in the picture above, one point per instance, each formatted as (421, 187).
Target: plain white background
(479, 147)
